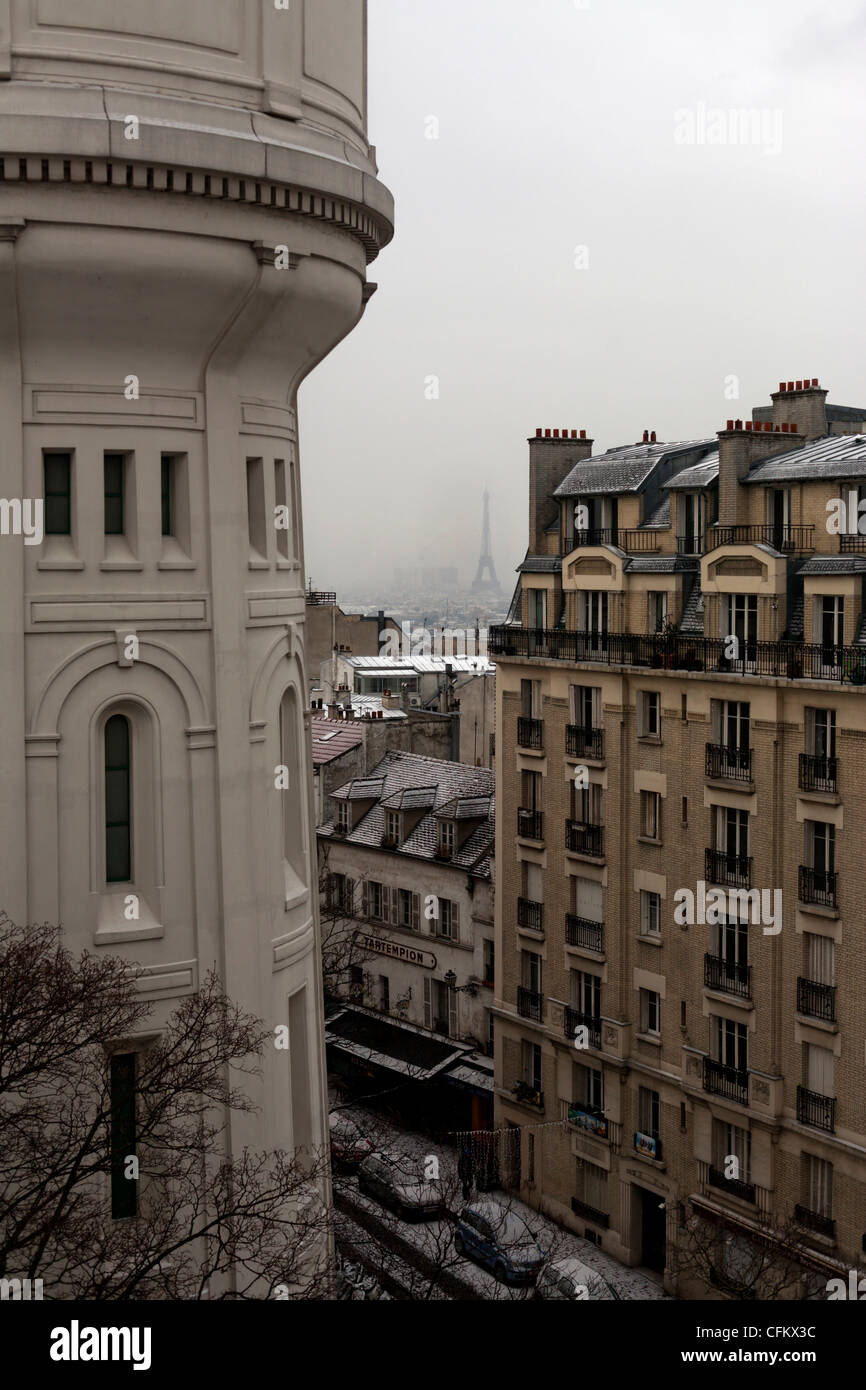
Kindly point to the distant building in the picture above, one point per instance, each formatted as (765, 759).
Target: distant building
(406, 864)
(349, 740)
(329, 629)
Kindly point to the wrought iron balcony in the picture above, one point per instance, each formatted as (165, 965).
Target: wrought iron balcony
(730, 870)
(780, 660)
(817, 772)
(583, 838)
(818, 886)
(530, 1004)
(735, 1186)
(591, 535)
(576, 1018)
(530, 914)
(588, 1117)
(721, 1080)
(852, 545)
(816, 1000)
(784, 538)
(581, 742)
(530, 824)
(580, 931)
(633, 539)
(816, 1110)
(727, 976)
(530, 732)
(598, 1218)
(814, 1221)
(724, 762)
(690, 545)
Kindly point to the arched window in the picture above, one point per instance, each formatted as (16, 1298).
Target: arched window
(118, 841)
(294, 798)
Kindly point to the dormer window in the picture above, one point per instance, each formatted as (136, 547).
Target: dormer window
(447, 837)
(392, 834)
(342, 820)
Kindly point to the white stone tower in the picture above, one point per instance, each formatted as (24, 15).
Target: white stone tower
(188, 204)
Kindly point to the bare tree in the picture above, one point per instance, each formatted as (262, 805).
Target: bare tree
(765, 1263)
(340, 900)
(206, 1223)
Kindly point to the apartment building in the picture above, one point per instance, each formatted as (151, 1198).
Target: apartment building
(681, 732)
(406, 880)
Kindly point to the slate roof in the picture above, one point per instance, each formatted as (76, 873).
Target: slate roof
(466, 791)
(662, 564)
(416, 665)
(834, 564)
(624, 469)
(539, 564)
(833, 456)
(331, 739)
(660, 517)
(698, 475)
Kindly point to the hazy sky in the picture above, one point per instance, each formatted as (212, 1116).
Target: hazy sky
(567, 125)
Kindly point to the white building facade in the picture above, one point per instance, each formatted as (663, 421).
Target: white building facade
(188, 204)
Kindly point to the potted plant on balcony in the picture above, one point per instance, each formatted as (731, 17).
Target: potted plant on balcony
(854, 667)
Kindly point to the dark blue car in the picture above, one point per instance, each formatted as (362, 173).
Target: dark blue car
(500, 1240)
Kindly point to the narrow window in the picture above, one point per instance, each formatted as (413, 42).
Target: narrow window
(118, 846)
(167, 492)
(113, 471)
(301, 1076)
(283, 515)
(57, 488)
(256, 509)
(124, 1190)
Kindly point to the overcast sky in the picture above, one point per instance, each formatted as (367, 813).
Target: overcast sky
(563, 125)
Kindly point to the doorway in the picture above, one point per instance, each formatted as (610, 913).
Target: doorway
(652, 1227)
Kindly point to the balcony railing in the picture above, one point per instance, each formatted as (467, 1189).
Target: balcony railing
(736, 1186)
(816, 1000)
(530, 1004)
(530, 914)
(591, 535)
(588, 1117)
(650, 1145)
(581, 742)
(814, 1221)
(727, 976)
(818, 773)
(580, 931)
(576, 1018)
(852, 545)
(530, 824)
(598, 1218)
(722, 1080)
(784, 538)
(781, 660)
(730, 870)
(320, 596)
(583, 838)
(690, 545)
(530, 732)
(816, 1110)
(727, 763)
(634, 540)
(817, 886)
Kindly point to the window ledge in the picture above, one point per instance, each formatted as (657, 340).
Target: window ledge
(121, 565)
(60, 564)
(648, 840)
(284, 564)
(104, 936)
(650, 738)
(650, 939)
(176, 564)
(737, 1000)
(654, 1039)
(809, 1022)
(826, 798)
(258, 564)
(818, 910)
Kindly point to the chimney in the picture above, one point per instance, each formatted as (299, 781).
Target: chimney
(739, 448)
(551, 459)
(333, 710)
(344, 696)
(801, 403)
(390, 701)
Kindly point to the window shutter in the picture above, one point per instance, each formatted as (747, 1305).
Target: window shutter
(715, 721)
(452, 1013)
(428, 1003)
(455, 921)
(416, 911)
(329, 891)
(395, 907)
(349, 902)
(365, 899)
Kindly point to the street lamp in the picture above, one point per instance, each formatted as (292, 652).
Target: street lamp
(451, 983)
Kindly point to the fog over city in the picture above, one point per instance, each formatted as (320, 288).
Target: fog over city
(624, 208)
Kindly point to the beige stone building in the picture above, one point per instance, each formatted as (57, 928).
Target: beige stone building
(681, 723)
(188, 207)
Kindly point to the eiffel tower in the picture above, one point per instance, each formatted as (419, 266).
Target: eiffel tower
(480, 585)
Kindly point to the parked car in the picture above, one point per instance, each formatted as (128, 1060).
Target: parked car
(572, 1279)
(501, 1240)
(397, 1182)
(349, 1145)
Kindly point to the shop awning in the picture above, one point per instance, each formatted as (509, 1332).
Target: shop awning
(386, 1043)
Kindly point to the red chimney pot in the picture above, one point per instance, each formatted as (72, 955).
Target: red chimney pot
(794, 429)
(768, 425)
(738, 424)
(799, 385)
(574, 434)
(653, 437)
(781, 385)
(646, 436)
(583, 434)
(790, 385)
(814, 381)
(785, 429)
(729, 425)
(538, 434)
(556, 434)
(547, 434)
